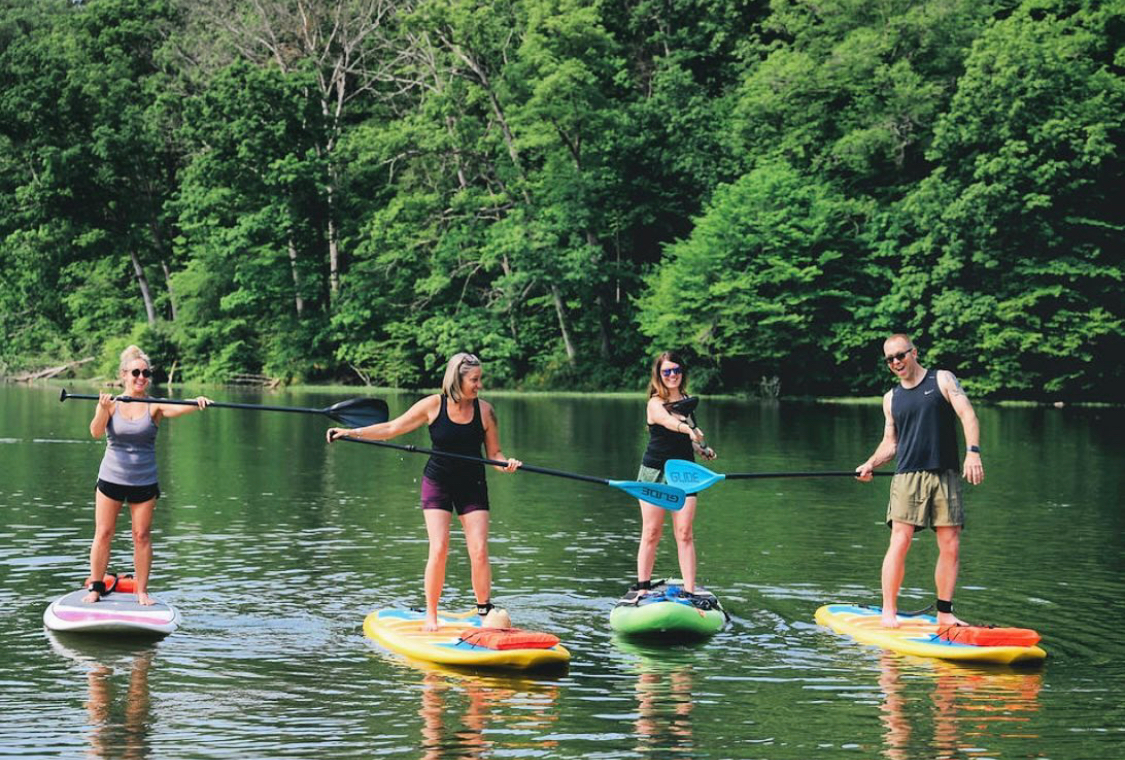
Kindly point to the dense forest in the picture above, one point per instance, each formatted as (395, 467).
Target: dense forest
(352, 190)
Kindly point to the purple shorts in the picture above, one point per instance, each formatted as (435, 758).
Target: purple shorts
(464, 497)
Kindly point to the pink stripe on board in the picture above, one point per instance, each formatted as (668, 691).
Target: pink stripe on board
(76, 616)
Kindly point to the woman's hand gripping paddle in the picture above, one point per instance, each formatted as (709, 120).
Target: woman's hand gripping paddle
(693, 478)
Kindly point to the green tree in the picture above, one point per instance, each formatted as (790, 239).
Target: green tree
(1010, 254)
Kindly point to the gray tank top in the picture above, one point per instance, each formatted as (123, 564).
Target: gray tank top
(130, 453)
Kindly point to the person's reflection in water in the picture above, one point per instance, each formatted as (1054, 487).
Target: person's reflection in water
(118, 726)
(896, 739)
(457, 711)
(664, 704)
(969, 707)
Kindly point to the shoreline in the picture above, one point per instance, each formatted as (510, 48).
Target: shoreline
(337, 389)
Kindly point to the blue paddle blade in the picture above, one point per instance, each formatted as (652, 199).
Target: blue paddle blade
(657, 494)
(689, 476)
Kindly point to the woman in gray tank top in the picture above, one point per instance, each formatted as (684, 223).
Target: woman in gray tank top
(128, 471)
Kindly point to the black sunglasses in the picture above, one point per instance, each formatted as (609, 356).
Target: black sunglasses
(671, 371)
(139, 372)
(897, 357)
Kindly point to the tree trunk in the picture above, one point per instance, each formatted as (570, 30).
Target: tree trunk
(146, 293)
(299, 302)
(571, 354)
(333, 246)
(163, 253)
(168, 287)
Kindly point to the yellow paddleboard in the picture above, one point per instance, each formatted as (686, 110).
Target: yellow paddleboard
(917, 635)
(401, 631)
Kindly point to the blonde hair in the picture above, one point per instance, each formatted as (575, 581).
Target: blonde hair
(132, 353)
(459, 366)
(656, 386)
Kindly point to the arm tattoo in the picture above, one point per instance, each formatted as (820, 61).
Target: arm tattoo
(956, 390)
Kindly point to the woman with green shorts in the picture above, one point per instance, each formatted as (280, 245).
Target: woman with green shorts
(671, 435)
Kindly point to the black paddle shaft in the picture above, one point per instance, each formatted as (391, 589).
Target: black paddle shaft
(467, 458)
(838, 474)
(335, 411)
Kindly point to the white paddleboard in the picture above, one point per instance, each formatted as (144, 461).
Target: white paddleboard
(115, 613)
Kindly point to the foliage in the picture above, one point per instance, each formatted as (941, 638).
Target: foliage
(567, 187)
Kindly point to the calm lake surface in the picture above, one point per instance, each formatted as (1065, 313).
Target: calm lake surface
(275, 546)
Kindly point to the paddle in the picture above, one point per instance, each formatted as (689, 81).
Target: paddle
(658, 494)
(356, 412)
(693, 478)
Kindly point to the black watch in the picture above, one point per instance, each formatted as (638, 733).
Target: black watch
(974, 449)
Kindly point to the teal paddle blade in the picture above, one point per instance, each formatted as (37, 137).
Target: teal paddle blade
(689, 476)
(657, 494)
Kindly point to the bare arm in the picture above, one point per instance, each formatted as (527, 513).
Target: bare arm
(168, 411)
(423, 412)
(887, 447)
(973, 469)
(492, 438)
(102, 412)
(658, 415)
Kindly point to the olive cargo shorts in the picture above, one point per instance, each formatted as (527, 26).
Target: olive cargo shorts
(926, 499)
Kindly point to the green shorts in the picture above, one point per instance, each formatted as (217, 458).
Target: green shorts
(926, 499)
(650, 475)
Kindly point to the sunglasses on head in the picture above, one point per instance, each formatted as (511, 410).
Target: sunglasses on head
(671, 371)
(897, 357)
(139, 372)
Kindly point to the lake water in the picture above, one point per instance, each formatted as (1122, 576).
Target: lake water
(275, 546)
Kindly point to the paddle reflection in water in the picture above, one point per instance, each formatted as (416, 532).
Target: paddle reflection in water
(468, 716)
(968, 709)
(117, 705)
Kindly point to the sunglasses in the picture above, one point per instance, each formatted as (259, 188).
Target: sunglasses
(897, 357)
(671, 371)
(139, 372)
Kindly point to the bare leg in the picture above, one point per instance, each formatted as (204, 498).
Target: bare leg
(142, 546)
(105, 520)
(945, 572)
(437, 528)
(894, 568)
(685, 542)
(652, 526)
(475, 525)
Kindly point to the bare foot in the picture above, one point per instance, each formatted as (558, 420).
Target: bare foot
(92, 597)
(948, 618)
(144, 599)
(431, 625)
(890, 619)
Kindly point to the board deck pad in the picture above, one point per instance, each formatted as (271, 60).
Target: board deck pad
(115, 613)
(917, 635)
(400, 630)
(667, 613)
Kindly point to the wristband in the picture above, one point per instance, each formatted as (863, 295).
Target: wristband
(974, 449)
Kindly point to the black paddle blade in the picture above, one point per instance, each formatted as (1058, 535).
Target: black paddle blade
(684, 406)
(359, 412)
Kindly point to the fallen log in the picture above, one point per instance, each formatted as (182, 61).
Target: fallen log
(49, 372)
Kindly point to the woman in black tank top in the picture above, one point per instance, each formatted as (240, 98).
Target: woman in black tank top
(461, 423)
(671, 436)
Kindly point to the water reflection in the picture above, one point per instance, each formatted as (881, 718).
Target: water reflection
(664, 690)
(937, 709)
(117, 704)
(469, 716)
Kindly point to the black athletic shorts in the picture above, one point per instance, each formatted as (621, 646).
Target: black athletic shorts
(131, 494)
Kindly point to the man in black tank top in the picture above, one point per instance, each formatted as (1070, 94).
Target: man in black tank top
(921, 434)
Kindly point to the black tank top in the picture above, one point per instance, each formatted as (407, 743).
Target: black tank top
(926, 425)
(455, 438)
(665, 444)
